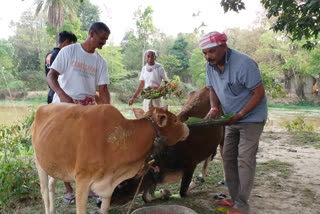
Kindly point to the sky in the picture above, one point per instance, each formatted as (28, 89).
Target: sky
(170, 16)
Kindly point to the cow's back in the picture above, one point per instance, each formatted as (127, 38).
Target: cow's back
(65, 135)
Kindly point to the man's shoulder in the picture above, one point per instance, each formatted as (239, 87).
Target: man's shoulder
(240, 55)
(159, 66)
(71, 47)
(239, 59)
(54, 51)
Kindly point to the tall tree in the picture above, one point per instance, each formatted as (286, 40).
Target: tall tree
(114, 59)
(56, 11)
(300, 19)
(7, 80)
(171, 65)
(179, 49)
(88, 14)
(131, 47)
(145, 27)
(198, 67)
(31, 43)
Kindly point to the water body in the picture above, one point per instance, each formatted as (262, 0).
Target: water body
(277, 118)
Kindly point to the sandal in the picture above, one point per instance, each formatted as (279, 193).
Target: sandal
(227, 203)
(93, 197)
(67, 200)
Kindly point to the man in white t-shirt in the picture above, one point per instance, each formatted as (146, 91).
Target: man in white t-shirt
(151, 75)
(77, 72)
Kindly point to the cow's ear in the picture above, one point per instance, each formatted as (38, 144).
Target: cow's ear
(162, 120)
(165, 108)
(138, 112)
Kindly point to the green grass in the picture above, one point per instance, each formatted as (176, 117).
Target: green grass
(305, 138)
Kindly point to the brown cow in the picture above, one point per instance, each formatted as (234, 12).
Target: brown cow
(178, 162)
(96, 147)
(198, 105)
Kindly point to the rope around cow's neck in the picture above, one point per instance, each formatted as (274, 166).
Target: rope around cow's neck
(149, 165)
(158, 142)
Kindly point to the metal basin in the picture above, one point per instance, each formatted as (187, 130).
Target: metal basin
(164, 209)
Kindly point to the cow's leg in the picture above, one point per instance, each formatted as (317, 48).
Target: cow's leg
(185, 182)
(205, 168)
(52, 188)
(105, 205)
(224, 175)
(82, 191)
(148, 194)
(43, 176)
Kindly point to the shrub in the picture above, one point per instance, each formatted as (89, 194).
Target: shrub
(17, 175)
(299, 125)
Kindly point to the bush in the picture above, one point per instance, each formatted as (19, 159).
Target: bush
(17, 175)
(124, 89)
(299, 125)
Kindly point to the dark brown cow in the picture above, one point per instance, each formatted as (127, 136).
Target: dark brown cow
(96, 147)
(179, 161)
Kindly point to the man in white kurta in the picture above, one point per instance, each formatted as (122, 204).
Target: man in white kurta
(151, 75)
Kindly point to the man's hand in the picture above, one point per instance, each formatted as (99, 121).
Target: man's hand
(213, 113)
(131, 101)
(64, 98)
(236, 118)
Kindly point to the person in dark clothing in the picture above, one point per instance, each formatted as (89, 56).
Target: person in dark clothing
(65, 38)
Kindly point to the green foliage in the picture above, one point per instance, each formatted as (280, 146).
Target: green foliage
(299, 125)
(88, 14)
(298, 18)
(69, 25)
(126, 88)
(198, 67)
(171, 65)
(16, 172)
(114, 59)
(31, 43)
(272, 86)
(179, 49)
(6, 54)
(132, 50)
(232, 5)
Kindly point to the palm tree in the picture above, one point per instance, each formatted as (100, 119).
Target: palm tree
(56, 10)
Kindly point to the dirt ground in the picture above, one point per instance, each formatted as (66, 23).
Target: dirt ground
(297, 190)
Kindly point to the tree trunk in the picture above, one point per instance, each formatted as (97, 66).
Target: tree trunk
(57, 36)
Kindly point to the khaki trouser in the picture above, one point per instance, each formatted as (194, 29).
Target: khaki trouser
(155, 102)
(239, 158)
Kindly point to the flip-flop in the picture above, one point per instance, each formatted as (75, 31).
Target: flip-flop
(224, 203)
(67, 200)
(234, 211)
(93, 197)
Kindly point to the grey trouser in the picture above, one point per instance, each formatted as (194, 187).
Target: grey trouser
(239, 159)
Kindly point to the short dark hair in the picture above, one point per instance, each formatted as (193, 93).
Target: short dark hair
(98, 27)
(65, 35)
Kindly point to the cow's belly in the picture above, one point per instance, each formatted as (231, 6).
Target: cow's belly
(55, 167)
(172, 177)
